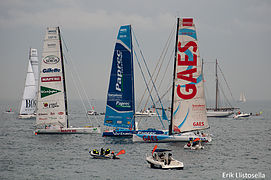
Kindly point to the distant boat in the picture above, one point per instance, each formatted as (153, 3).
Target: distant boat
(219, 111)
(188, 107)
(52, 111)
(28, 105)
(120, 105)
(146, 113)
(9, 111)
(241, 115)
(242, 97)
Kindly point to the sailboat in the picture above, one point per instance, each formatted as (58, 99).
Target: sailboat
(28, 104)
(120, 106)
(242, 97)
(188, 107)
(218, 111)
(52, 109)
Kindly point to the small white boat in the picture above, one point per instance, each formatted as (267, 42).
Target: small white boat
(147, 113)
(241, 115)
(162, 159)
(92, 113)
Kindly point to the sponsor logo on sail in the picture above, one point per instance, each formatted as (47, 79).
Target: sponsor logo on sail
(50, 105)
(43, 119)
(45, 91)
(51, 79)
(51, 70)
(51, 59)
(198, 123)
(30, 103)
(52, 37)
(123, 104)
(187, 89)
(51, 45)
(119, 71)
(52, 31)
(60, 113)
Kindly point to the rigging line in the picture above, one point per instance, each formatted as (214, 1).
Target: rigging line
(164, 74)
(163, 59)
(77, 89)
(79, 80)
(149, 73)
(226, 82)
(224, 95)
(148, 88)
(167, 42)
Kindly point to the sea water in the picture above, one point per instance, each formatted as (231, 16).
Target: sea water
(241, 149)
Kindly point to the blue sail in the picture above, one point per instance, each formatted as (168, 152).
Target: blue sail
(120, 106)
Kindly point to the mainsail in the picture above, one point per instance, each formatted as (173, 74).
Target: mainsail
(28, 105)
(33, 56)
(52, 104)
(120, 106)
(188, 101)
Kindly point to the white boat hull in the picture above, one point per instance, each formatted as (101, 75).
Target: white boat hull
(174, 164)
(88, 130)
(27, 116)
(245, 115)
(219, 113)
(183, 137)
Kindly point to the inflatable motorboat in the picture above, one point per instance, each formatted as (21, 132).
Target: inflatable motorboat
(162, 159)
(105, 154)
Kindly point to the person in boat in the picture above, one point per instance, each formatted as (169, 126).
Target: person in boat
(189, 144)
(107, 151)
(102, 151)
(113, 155)
(202, 134)
(162, 156)
(95, 151)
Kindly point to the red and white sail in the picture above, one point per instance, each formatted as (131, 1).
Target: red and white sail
(189, 108)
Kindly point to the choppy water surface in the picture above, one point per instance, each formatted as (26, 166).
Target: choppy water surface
(238, 146)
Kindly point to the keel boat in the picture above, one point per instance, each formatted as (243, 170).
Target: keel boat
(188, 107)
(52, 106)
(28, 104)
(120, 106)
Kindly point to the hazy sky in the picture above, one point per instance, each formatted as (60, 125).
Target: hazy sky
(237, 32)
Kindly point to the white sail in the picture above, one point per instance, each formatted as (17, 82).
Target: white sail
(51, 105)
(28, 105)
(242, 97)
(189, 107)
(33, 56)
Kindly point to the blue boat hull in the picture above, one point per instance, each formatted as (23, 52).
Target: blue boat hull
(129, 133)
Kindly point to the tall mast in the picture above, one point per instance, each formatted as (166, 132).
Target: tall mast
(216, 87)
(174, 72)
(132, 79)
(64, 84)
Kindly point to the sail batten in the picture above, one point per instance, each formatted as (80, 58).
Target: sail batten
(188, 107)
(120, 106)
